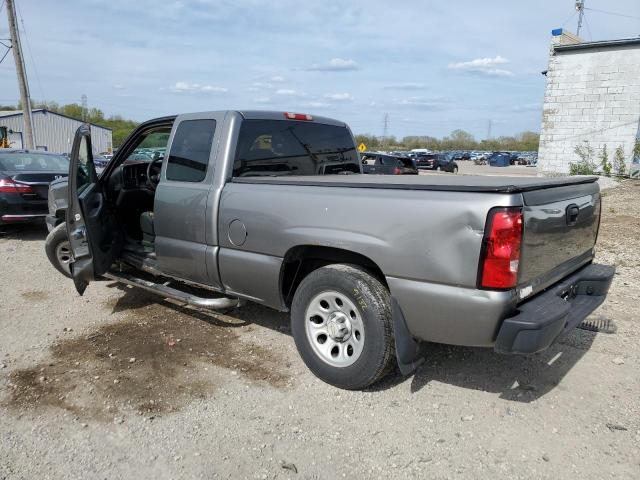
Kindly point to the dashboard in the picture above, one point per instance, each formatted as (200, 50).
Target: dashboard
(134, 175)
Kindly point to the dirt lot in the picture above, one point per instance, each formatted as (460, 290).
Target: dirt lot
(119, 384)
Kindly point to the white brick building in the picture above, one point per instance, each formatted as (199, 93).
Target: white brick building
(592, 94)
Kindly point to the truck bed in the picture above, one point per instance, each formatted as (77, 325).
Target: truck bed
(454, 183)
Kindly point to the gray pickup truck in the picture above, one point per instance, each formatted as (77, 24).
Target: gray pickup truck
(273, 208)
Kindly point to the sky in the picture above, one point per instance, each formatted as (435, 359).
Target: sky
(430, 66)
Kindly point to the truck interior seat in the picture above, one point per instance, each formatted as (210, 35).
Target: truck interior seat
(148, 233)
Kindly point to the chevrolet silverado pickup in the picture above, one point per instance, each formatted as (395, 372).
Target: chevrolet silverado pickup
(273, 208)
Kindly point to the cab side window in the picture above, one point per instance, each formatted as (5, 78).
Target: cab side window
(190, 151)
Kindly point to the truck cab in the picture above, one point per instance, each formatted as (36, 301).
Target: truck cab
(161, 214)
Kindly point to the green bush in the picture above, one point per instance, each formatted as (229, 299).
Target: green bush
(604, 161)
(586, 165)
(618, 161)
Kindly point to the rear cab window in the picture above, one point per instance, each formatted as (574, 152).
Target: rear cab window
(190, 150)
(284, 147)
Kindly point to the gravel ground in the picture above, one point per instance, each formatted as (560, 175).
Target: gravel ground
(119, 384)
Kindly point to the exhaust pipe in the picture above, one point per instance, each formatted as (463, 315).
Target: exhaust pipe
(168, 292)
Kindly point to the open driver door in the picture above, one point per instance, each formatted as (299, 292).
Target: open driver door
(93, 235)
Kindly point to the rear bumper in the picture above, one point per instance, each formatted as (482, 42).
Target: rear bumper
(541, 321)
(15, 208)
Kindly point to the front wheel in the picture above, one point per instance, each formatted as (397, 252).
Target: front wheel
(59, 250)
(341, 323)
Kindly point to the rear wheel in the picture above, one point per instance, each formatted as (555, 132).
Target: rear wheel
(341, 323)
(59, 250)
(455, 169)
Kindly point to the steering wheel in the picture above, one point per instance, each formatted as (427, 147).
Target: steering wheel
(153, 173)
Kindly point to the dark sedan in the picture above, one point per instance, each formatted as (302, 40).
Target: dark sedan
(445, 162)
(24, 183)
(426, 160)
(383, 164)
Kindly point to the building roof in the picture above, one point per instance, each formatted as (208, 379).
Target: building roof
(17, 113)
(622, 42)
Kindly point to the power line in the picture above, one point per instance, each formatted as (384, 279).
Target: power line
(612, 13)
(26, 40)
(588, 28)
(5, 53)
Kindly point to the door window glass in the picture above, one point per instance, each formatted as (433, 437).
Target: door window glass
(84, 170)
(190, 150)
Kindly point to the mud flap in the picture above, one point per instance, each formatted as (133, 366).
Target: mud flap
(410, 353)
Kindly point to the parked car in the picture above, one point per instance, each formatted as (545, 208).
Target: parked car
(383, 164)
(499, 159)
(100, 162)
(24, 183)
(444, 162)
(425, 160)
(345, 254)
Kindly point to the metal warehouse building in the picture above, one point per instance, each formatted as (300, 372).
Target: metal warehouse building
(53, 132)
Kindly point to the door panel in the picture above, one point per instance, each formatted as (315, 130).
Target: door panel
(182, 199)
(92, 235)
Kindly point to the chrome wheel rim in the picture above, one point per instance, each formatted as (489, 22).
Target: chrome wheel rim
(334, 328)
(64, 255)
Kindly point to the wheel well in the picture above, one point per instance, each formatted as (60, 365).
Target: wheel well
(301, 260)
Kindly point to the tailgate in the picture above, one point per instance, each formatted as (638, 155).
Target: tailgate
(560, 230)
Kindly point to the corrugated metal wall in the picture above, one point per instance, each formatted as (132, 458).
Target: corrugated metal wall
(56, 132)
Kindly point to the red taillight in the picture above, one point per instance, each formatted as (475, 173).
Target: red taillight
(501, 250)
(7, 185)
(397, 171)
(298, 116)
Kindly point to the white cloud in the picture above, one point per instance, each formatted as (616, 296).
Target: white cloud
(277, 79)
(422, 102)
(317, 104)
(262, 100)
(528, 107)
(484, 66)
(339, 97)
(119, 86)
(186, 87)
(335, 65)
(288, 92)
(406, 86)
(258, 85)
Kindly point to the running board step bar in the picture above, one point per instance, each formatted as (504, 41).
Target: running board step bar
(175, 294)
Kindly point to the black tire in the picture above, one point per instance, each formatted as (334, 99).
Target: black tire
(56, 237)
(373, 301)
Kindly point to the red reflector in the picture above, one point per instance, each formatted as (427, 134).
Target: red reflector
(7, 185)
(298, 116)
(502, 249)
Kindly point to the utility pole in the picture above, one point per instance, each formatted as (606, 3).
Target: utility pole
(489, 129)
(385, 126)
(85, 108)
(580, 9)
(22, 76)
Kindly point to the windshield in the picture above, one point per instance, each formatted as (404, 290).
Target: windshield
(23, 162)
(151, 147)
